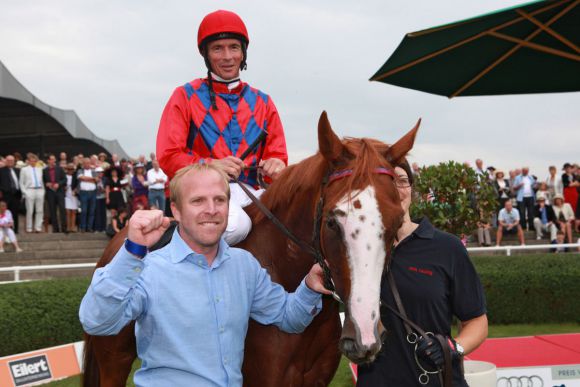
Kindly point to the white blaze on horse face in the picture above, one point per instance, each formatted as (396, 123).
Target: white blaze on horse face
(363, 236)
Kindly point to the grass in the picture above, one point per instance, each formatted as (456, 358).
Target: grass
(343, 376)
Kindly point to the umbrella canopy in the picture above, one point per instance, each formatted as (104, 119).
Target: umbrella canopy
(530, 48)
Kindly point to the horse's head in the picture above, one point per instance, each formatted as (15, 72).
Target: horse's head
(361, 215)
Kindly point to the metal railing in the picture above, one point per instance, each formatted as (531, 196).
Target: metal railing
(508, 249)
(18, 269)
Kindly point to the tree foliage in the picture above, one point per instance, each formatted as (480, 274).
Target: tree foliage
(453, 197)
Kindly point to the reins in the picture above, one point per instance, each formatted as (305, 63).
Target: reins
(414, 333)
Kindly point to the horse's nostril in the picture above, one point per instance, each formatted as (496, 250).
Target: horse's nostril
(347, 345)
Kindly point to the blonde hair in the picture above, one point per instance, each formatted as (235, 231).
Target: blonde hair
(175, 184)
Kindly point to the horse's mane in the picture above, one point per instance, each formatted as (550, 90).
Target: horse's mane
(303, 181)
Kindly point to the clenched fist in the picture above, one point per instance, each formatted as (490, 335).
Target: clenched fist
(147, 226)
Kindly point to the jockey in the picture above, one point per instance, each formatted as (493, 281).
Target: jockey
(216, 119)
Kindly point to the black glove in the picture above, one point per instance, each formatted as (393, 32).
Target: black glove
(429, 350)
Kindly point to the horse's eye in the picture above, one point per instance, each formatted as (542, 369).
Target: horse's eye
(331, 223)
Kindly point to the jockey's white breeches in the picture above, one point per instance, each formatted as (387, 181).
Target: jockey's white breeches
(239, 223)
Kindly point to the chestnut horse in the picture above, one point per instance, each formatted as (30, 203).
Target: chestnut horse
(361, 213)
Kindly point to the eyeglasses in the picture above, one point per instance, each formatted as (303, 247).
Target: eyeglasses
(402, 182)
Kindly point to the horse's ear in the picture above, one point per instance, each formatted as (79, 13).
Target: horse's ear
(328, 142)
(399, 150)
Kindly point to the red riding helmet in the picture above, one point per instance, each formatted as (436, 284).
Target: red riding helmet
(221, 25)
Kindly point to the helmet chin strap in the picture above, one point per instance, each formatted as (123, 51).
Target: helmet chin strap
(225, 81)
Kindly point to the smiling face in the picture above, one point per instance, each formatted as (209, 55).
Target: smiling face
(202, 211)
(225, 57)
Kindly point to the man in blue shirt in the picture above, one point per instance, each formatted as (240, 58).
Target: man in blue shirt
(524, 186)
(509, 223)
(192, 299)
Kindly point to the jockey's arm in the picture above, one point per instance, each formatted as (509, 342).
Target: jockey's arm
(172, 135)
(275, 140)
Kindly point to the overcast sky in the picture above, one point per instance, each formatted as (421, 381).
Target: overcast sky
(116, 63)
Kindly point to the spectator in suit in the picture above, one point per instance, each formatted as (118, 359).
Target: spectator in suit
(10, 187)
(524, 186)
(87, 178)
(33, 193)
(509, 223)
(545, 219)
(6, 227)
(54, 178)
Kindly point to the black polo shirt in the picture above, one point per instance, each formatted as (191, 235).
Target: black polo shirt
(436, 280)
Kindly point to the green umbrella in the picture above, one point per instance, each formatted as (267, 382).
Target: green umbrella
(530, 48)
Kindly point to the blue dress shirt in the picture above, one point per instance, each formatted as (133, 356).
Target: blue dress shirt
(192, 319)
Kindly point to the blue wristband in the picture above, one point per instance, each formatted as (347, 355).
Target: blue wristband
(135, 248)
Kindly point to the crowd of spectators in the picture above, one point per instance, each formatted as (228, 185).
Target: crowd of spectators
(549, 206)
(79, 194)
(99, 194)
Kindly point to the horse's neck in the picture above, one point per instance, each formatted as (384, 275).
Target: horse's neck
(285, 261)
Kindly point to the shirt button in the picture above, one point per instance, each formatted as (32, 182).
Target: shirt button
(222, 329)
(217, 299)
(225, 360)
(137, 270)
(199, 262)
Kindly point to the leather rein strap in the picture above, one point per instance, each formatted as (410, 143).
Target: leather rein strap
(446, 378)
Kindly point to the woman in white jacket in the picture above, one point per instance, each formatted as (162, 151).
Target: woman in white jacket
(564, 215)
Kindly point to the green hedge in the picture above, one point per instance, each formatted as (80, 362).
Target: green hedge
(531, 289)
(543, 288)
(40, 314)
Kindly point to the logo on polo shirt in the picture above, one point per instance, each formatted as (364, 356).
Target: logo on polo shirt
(30, 370)
(420, 270)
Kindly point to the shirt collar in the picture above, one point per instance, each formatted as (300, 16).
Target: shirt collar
(180, 250)
(425, 229)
